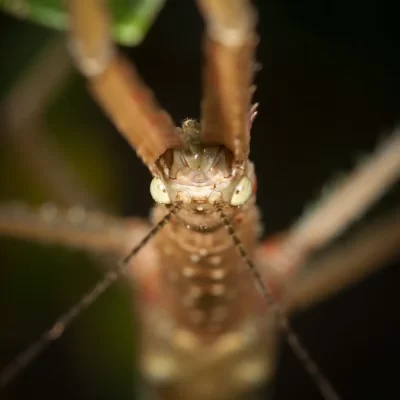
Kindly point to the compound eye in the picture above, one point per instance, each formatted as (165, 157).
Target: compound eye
(159, 192)
(242, 192)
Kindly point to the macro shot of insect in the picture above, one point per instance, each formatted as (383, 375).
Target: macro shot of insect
(202, 297)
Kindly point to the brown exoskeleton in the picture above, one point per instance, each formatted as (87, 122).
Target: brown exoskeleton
(225, 127)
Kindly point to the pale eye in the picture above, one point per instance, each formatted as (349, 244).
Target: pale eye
(159, 192)
(242, 192)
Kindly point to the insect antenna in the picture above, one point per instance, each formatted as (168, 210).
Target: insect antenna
(324, 386)
(24, 359)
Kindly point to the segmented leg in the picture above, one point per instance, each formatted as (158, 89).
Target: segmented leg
(73, 227)
(63, 321)
(335, 211)
(347, 263)
(116, 85)
(90, 231)
(229, 49)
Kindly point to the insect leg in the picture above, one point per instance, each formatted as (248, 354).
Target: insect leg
(337, 210)
(346, 263)
(25, 358)
(229, 48)
(116, 85)
(73, 227)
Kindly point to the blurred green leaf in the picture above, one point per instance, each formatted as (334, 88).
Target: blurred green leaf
(131, 18)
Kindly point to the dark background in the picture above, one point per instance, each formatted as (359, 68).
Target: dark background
(328, 89)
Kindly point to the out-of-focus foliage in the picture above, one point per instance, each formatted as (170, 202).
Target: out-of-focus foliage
(57, 277)
(131, 18)
(329, 83)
